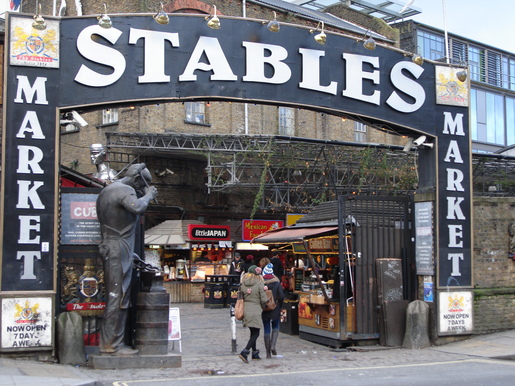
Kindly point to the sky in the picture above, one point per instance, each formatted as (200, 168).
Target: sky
(489, 22)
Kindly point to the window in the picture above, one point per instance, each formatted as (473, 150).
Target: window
(286, 121)
(494, 69)
(477, 64)
(459, 53)
(487, 122)
(195, 112)
(430, 46)
(109, 116)
(360, 132)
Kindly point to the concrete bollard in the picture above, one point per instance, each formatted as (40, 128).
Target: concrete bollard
(417, 325)
(70, 339)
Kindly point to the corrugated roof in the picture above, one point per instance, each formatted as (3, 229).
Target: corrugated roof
(327, 18)
(169, 232)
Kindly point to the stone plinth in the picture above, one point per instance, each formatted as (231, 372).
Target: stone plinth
(110, 362)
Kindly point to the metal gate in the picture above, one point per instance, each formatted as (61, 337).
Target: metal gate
(378, 259)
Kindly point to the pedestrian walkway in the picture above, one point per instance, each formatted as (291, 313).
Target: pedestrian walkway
(207, 345)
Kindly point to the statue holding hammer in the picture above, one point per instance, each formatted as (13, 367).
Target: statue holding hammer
(119, 206)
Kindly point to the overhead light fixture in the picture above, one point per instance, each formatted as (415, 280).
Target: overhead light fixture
(104, 20)
(417, 59)
(39, 23)
(214, 21)
(273, 25)
(461, 75)
(321, 37)
(370, 43)
(162, 17)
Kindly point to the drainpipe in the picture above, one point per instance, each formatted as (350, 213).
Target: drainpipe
(244, 13)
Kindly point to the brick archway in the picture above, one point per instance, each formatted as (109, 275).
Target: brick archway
(189, 6)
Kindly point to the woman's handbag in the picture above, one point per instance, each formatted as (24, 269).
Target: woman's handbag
(239, 307)
(270, 303)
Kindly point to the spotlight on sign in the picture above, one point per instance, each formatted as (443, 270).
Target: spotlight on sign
(39, 23)
(417, 59)
(321, 37)
(162, 17)
(273, 25)
(104, 20)
(213, 21)
(370, 43)
(461, 75)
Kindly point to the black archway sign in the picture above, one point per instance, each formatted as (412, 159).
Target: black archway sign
(74, 62)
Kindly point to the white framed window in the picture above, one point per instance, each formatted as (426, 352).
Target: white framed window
(195, 112)
(286, 121)
(360, 132)
(109, 116)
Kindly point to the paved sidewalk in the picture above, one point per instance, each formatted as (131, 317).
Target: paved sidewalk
(206, 350)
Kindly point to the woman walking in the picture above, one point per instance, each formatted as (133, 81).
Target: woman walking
(271, 319)
(255, 298)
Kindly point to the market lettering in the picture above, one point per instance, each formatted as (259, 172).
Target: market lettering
(209, 56)
(453, 126)
(29, 168)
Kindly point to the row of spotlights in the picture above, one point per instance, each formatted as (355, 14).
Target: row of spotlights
(213, 22)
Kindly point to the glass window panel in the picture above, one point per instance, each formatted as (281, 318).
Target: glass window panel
(473, 114)
(286, 121)
(510, 121)
(195, 112)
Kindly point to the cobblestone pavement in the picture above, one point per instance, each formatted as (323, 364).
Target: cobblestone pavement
(206, 350)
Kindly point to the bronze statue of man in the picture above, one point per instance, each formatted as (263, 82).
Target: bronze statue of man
(119, 206)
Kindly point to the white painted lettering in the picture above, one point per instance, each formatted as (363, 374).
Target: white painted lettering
(154, 53)
(28, 224)
(355, 75)
(24, 87)
(311, 72)
(455, 232)
(27, 193)
(256, 60)
(92, 50)
(407, 86)
(28, 263)
(31, 125)
(29, 158)
(210, 47)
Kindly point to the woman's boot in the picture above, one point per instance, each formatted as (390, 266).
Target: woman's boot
(267, 346)
(273, 341)
(255, 355)
(244, 356)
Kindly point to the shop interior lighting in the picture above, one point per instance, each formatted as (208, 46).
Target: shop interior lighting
(213, 21)
(273, 25)
(104, 20)
(321, 37)
(162, 17)
(39, 23)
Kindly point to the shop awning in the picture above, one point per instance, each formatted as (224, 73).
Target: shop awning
(169, 232)
(292, 235)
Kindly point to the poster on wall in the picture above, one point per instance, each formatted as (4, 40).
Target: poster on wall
(26, 322)
(80, 224)
(424, 238)
(455, 313)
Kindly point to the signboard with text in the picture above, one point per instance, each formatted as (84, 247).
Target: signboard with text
(253, 228)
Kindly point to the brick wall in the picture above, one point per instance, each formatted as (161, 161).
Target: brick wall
(494, 270)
